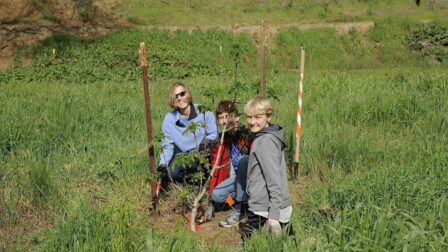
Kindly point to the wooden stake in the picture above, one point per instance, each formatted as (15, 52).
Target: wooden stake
(263, 57)
(154, 184)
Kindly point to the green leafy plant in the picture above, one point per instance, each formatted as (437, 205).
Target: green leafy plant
(236, 52)
(431, 41)
(171, 55)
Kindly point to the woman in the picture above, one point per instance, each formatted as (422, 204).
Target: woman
(175, 142)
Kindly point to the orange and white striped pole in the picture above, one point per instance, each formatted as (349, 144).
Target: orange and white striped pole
(299, 114)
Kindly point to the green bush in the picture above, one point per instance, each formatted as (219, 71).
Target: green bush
(431, 41)
(115, 57)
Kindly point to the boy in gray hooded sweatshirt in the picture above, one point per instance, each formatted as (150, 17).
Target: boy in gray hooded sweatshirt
(267, 182)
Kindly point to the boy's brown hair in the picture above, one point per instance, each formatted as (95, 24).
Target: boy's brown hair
(226, 106)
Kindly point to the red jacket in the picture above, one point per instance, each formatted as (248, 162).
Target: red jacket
(244, 143)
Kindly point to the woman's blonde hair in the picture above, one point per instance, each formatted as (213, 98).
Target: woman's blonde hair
(172, 94)
(259, 105)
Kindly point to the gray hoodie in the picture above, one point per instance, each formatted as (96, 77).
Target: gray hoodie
(267, 180)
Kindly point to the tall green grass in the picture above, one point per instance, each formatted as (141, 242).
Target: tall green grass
(374, 143)
(377, 144)
(382, 46)
(86, 228)
(231, 12)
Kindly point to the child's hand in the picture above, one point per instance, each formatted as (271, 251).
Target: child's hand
(232, 123)
(274, 228)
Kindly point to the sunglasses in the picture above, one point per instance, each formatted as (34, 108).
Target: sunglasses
(181, 94)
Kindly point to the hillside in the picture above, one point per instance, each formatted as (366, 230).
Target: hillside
(27, 22)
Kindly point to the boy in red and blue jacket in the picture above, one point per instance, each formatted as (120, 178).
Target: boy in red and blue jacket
(230, 179)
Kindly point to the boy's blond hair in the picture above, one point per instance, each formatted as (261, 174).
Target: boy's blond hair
(259, 105)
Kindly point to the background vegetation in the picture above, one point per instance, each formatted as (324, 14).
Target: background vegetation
(374, 151)
(237, 12)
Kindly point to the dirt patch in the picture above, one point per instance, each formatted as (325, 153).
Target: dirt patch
(15, 36)
(171, 212)
(256, 32)
(14, 11)
(27, 22)
(212, 233)
(274, 29)
(20, 235)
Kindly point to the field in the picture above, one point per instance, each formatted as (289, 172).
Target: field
(238, 12)
(374, 150)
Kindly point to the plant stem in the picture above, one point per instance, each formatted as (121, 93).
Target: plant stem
(198, 198)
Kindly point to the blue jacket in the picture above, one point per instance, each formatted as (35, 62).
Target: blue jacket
(174, 142)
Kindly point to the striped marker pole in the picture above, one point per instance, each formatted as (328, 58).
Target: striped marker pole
(299, 114)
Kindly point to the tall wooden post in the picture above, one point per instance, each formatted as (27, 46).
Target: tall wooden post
(263, 56)
(152, 170)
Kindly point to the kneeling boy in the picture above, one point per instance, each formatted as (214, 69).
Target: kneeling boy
(267, 182)
(230, 179)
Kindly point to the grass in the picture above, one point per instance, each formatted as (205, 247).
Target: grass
(200, 12)
(175, 55)
(370, 153)
(374, 143)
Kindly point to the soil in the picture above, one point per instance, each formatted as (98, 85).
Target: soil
(256, 32)
(211, 232)
(22, 234)
(23, 23)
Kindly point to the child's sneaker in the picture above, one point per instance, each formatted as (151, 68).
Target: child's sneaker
(231, 220)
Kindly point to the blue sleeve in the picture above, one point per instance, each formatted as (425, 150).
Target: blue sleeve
(167, 142)
(210, 126)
